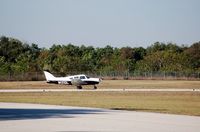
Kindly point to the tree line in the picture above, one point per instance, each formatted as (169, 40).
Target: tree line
(17, 56)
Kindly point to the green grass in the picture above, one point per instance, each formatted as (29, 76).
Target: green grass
(187, 103)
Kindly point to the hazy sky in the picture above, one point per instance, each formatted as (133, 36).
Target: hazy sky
(101, 22)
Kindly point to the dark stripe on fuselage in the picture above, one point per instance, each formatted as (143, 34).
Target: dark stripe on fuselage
(82, 83)
(90, 82)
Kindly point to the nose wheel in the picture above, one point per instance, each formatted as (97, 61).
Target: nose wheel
(95, 87)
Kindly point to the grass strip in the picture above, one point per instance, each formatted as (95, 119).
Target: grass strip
(186, 103)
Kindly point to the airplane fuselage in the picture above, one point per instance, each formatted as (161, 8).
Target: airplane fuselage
(76, 80)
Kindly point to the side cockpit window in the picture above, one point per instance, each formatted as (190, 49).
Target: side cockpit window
(82, 77)
(76, 77)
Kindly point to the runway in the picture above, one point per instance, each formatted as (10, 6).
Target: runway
(99, 90)
(20, 117)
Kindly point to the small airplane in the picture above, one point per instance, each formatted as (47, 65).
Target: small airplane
(77, 80)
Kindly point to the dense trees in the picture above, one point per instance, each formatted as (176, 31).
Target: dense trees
(16, 56)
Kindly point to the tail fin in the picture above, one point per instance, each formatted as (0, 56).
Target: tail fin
(49, 76)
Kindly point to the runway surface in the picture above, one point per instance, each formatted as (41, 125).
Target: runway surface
(18, 117)
(109, 90)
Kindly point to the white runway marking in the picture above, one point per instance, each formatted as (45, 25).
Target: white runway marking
(50, 118)
(108, 90)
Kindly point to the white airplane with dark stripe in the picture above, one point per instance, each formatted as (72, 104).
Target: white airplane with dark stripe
(77, 80)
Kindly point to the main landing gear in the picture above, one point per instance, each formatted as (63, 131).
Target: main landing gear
(79, 87)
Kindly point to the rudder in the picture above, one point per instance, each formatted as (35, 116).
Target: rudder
(49, 76)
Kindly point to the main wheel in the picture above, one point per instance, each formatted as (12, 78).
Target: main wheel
(79, 87)
(95, 87)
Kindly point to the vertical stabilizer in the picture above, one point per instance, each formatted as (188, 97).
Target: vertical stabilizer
(49, 76)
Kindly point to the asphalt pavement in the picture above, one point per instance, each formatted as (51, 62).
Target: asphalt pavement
(20, 117)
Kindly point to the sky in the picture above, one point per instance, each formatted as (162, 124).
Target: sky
(98, 23)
